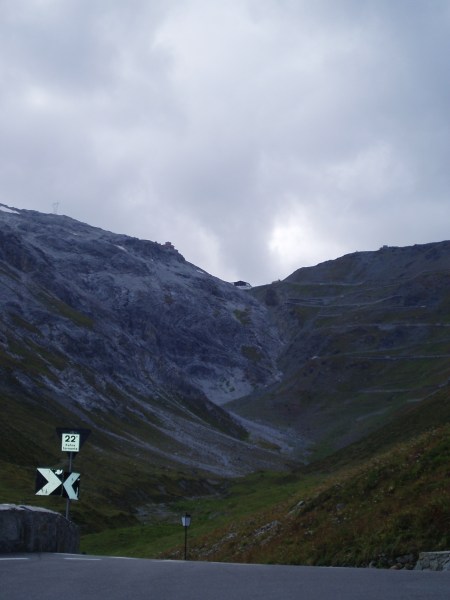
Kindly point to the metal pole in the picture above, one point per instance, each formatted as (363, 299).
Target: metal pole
(68, 499)
(185, 543)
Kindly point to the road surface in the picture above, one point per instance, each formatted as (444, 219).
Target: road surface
(80, 577)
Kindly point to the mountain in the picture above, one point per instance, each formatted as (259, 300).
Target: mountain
(125, 337)
(364, 336)
(185, 379)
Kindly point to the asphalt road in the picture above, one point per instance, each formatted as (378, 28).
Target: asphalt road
(80, 577)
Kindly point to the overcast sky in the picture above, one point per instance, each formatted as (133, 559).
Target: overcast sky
(258, 136)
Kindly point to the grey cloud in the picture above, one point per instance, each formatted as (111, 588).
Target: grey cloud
(256, 136)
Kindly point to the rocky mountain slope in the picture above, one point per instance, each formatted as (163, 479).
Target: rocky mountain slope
(110, 332)
(364, 335)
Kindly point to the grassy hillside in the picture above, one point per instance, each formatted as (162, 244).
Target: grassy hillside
(118, 478)
(379, 501)
(381, 497)
(395, 505)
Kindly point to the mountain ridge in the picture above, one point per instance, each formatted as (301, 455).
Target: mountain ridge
(364, 335)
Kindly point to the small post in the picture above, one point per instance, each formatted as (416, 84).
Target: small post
(186, 521)
(68, 499)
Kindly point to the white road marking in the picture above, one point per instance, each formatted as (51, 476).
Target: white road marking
(80, 558)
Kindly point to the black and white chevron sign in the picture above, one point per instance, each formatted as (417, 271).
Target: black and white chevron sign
(71, 486)
(55, 482)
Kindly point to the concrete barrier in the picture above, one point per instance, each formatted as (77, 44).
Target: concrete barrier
(433, 561)
(33, 529)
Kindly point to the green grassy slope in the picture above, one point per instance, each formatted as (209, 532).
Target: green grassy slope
(394, 505)
(117, 477)
(382, 498)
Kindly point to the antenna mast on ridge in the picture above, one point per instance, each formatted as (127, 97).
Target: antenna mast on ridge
(55, 208)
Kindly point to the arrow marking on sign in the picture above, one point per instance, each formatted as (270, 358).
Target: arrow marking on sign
(53, 481)
(68, 484)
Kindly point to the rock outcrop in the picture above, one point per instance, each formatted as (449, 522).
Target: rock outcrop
(32, 529)
(433, 561)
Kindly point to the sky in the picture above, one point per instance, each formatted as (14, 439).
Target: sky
(258, 136)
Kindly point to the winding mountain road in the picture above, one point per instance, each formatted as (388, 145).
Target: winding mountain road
(80, 577)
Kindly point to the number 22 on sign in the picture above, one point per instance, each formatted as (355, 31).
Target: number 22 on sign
(70, 442)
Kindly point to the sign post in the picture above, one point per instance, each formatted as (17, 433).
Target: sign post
(71, 441)
(58, 482)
